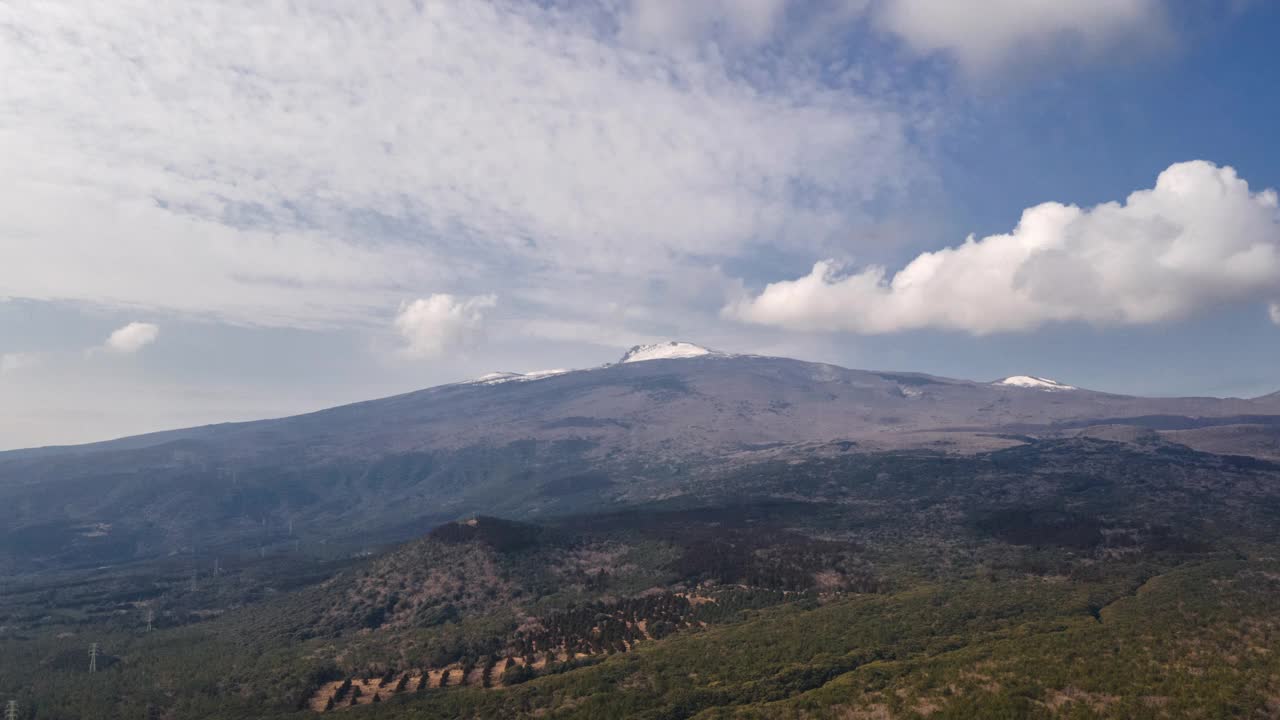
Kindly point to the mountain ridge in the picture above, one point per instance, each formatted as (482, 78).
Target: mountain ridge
(1238, 406)
(573, 441)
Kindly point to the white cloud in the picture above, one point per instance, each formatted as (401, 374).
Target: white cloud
(1274, 311)
(981, 33)
(132, 337)
(437, 324)
(978, 34)
(13, 362)
(1198, 239)
(306, 165)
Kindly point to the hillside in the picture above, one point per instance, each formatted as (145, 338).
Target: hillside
(1069, 577)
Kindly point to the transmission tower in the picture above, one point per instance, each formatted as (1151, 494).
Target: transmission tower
(195, 574)
(11, 710)
(93, 657)
(151, 618)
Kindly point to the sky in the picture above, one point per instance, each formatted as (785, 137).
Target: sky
(233, 210)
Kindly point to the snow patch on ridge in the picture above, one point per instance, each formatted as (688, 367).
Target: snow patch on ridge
(665, 351)
(497, 378)
(655, 351)
(1031, 381)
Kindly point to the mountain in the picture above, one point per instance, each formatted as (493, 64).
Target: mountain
(662, 422)
(681, 533)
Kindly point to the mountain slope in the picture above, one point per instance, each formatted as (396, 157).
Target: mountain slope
(722, 399)
(562, 442)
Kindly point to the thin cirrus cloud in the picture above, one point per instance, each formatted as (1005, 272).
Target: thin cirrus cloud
(132, 337)
(978, 35)
(313, 171)
(1199, 239)
(982, 35)
(435, 325)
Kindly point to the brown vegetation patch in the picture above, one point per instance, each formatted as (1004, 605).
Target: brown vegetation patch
(1098, 702)
(871, 712)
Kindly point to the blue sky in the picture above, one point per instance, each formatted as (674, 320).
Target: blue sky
(1098, 132)
(231, 211)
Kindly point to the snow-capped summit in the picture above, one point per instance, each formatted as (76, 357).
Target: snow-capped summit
(1036, 383)
(665, 351)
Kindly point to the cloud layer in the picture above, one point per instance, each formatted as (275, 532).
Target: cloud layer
(434, 325)
(334, 159)
(1200, 238)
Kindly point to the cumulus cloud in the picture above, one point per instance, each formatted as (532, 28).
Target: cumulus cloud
(1198, 239)
(132, 337)
(983, 33)
(1275, 312)
(434, 325)
(13, 362)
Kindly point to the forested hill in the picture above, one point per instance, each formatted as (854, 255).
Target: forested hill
(1058, 578)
